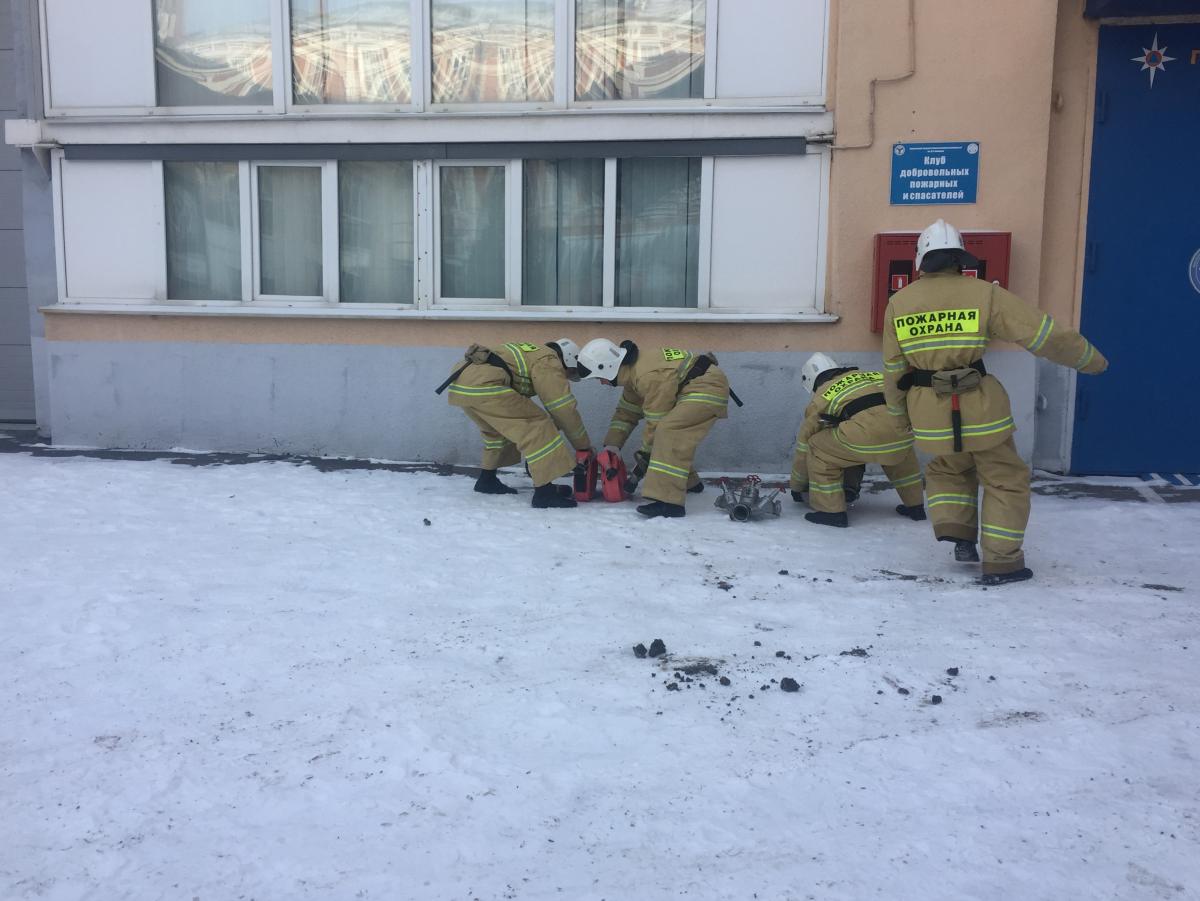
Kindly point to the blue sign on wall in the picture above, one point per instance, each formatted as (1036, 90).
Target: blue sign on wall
(935, 173)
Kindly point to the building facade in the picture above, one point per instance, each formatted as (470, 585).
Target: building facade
(272, 225)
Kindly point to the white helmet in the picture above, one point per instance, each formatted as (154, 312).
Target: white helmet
(939, 236)
(569, 350)
(816, 364)
(600, 359)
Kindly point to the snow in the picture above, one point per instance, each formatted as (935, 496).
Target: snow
(264, 681)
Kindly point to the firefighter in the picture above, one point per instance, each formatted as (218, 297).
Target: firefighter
(679, 393)
(935, 333)
(494, 388)
(845, 427)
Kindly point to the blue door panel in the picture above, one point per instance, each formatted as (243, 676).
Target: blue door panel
(1140, 305)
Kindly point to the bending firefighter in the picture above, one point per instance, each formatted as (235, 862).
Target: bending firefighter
(846, 426)
(934, 336)
(494, 388)
(680, 394)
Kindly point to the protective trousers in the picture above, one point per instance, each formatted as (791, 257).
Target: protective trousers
(678, 435)
(829, 458)
(513, 426)
(952, 487)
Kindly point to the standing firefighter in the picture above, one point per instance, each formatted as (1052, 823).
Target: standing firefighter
(681, 395)
(934, 336)
(845, 427)
(494, 388)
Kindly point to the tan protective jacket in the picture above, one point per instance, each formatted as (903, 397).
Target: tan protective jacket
(871, 431)
(653, 385)
(945, 321)
(535, 370)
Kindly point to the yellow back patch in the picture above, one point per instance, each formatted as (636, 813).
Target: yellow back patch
(849, 380)
(672, 354)
(526, 348)
(937, 322)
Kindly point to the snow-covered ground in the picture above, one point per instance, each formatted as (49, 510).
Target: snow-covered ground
(267, 682)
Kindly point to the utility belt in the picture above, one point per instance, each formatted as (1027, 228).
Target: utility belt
(701, 366)
(481, 356)
(853, 408)
(952, 382)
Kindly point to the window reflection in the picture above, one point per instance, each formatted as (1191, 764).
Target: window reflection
(492, 51)
(639, 49)
(351, 51)
(213, 52)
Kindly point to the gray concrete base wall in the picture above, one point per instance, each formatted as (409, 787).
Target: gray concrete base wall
(378, 402)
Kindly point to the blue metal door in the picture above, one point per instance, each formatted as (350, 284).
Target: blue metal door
(1141, 286)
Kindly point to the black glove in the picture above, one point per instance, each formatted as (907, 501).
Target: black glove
(798, 497)
(641, 463)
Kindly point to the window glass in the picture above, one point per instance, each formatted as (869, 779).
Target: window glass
(658, 232)
(375, 225)
(289, 227)
(213, 52)
(472, 231)
(351, 51)
(639, 49)
(204, 233)
(489, 51)
(563, 239)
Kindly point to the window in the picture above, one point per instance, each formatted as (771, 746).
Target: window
(351, 51)
(489, 51)
(375, 230)
(629, 50)
(204, 234)
(563, 236)
(289, 231)
(471, 207)
(658, 232)
(213, 52)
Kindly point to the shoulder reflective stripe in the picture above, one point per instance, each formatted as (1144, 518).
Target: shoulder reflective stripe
(875, 448)
(561, 402)
(482, 391)
(628, 407)
(1087, 355)
(519, 359)
(1043, 333)
(936, 322)
(545, 450)
(907, 480)
(685, 367)
(1002, 533)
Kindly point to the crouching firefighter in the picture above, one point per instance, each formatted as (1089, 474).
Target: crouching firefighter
(934, 336)
(845, 427)
(494, 388)
(680, 394)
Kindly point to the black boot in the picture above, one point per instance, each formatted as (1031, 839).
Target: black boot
(851, 496)
(966, 552)
(1017, 575)
(916, 512)
(840, 520)
(798, 497)
(487, 483)
(566, 490)
(696, 489)
(550, 495)
(661, 508)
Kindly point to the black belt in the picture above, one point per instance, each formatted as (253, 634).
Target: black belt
(854, 407)
(702, 366)
(923, 378)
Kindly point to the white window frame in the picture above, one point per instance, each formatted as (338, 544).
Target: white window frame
(511, 246)
(422, 73)
(335, 227)
(329, 235)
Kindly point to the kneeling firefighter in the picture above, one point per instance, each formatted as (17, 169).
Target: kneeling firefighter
(934, 336)
(494, 388)
(845, 427)
(681, 395)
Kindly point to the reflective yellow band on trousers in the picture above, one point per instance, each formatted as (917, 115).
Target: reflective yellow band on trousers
(984, 428)
(964, 500)
(668, 470)
(546, 449)
(1002, 533)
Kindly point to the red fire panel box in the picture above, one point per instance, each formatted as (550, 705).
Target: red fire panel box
(895, 251)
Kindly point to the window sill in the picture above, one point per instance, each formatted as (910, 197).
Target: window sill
(543, 314)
